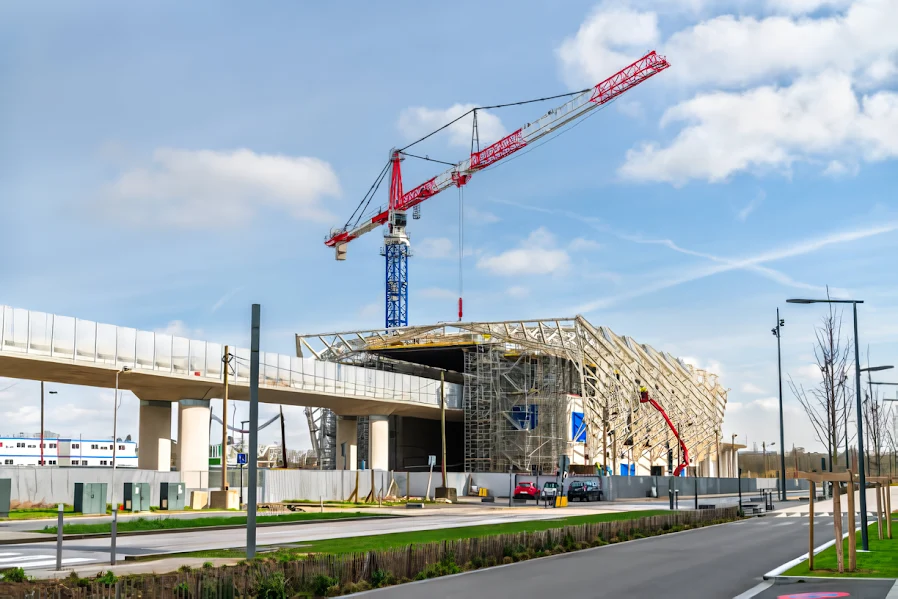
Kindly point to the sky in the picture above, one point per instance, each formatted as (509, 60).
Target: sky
(165, 165)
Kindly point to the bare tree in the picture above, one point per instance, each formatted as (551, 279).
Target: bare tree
(827, 404)
(878, 423)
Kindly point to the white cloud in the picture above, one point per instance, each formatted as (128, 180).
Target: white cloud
(630, 108)
(608, 40)
(711, 366)
(801, 7)
(536, 256)
(205, 188)
(475, 216)
(581, 244)
(178, 328)
(751, 388)
(808, 373)
(837, 169)
(437, 293)
(433, 247)
(768, 129)
(418, 121)
(752, 206)
(739, 50)
(518, 291)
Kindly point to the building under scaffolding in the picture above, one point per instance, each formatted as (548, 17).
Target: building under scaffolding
(534, 390)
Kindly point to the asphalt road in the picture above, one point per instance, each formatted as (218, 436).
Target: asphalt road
(716, 562)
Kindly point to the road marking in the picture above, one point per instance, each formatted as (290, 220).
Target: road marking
(755, 590)
(893, 593)
(34, 560)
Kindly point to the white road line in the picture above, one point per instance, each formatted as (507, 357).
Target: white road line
(893, 593)
(758, 589)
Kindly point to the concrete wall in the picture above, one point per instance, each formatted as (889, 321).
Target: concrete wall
(57, 485)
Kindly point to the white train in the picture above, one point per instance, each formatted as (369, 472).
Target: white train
(25, 450)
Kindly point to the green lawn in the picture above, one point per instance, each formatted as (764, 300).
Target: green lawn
(881, 562)
(35, 513)
(403, 539)
(182, 523)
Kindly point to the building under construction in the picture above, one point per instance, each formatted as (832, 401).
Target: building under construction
(525, 392)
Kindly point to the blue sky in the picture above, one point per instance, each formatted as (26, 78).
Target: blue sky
(164, 166)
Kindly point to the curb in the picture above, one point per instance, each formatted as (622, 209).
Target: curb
(51, 537)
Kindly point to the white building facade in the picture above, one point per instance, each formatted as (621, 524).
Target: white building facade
(26, 451)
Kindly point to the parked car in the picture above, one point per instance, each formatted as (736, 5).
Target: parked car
(526, 491)
(550, 490)
(584, 490)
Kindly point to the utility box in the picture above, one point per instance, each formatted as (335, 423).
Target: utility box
(172, 496)
(90, 498)
(137, 497)
(5, 490)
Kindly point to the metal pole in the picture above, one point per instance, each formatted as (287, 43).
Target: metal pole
(224, 428)
(42, 416)
(59, 526)
(443, 421)
(779, 370)
(862, 475)
(253, 433)
(113, 530)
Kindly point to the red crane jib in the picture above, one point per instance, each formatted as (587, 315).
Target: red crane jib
(644, 398)
(630, 76)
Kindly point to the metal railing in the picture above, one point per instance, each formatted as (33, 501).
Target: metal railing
(69, 339)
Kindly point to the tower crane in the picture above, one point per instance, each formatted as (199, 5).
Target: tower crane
(396, 248)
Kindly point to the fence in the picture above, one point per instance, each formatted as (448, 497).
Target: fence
(399, 563)
(49, 486)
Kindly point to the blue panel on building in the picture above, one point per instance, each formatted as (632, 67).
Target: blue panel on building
(526, 417)
(578, 427)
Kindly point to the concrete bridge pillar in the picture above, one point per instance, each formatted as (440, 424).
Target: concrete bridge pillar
(379, 442)
(154, 452)
(347, 442)
(193, 442)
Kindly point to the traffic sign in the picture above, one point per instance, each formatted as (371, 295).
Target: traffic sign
(241, 458)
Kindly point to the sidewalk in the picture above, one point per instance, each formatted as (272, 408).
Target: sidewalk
(160, 566)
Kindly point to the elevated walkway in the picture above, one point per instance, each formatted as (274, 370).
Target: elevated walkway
(63, 349)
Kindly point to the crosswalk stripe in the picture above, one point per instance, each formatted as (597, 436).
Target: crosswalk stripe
(23, 560)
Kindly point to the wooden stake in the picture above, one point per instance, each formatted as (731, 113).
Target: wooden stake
(852, 537)
(813, 496)
(837, 524)
(888, 493)
(354, 496)
(879, 508)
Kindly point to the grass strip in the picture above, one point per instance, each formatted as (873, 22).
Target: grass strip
(880, 562)
(141, 524)
(404, 539)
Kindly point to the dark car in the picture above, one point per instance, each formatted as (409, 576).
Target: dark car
(584, 490)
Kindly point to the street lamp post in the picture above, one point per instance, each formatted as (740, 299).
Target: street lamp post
(764, 446)
(777, 331)
(862, 475)
(43, 462)
(114, 447)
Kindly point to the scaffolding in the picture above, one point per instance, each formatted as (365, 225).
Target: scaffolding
(323, 433)
(523, 379)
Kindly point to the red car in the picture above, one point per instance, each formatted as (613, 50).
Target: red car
(526, 491)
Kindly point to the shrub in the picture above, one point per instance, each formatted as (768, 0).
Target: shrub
(476, 562)
(14, 575)
(320, 584)
(108, 578)
(507, 560)
(443, 567)
(184, 568)
(381, 578)
(208, 565)
(182, 591)
(272, 585)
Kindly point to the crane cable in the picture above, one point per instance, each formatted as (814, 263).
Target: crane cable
(461, 245)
